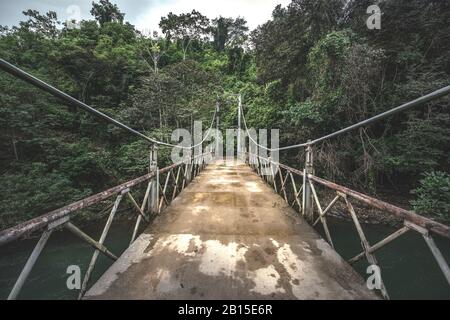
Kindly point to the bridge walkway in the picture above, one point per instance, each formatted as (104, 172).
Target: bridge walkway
(229, 236)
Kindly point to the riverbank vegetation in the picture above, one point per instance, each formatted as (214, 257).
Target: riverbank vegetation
(313, 68)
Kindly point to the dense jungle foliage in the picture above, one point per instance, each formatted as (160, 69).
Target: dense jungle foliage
(313, 68)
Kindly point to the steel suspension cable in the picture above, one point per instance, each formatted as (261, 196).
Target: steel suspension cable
(431, 96)
(21, 74)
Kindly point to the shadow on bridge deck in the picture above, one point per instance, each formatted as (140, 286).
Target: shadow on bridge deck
(230, 236)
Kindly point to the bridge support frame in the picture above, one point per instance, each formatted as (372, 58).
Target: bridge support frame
(153, 199)
(94, 258)
(239, 132)
(216, 151)
(308, 201)
(29, 265)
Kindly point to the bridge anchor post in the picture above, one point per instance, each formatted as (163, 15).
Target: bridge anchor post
(153, 199)
(308, 209)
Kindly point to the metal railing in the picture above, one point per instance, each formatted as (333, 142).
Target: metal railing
(157, 197)
(304, 197)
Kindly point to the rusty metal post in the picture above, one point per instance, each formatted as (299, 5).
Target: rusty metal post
(191, 166)
(139, 218)
(239, 146)
(29, 265)
(83, 236)
(153, 199)
(218, 134)
(94, 258)
(307, 194)
(438, 256)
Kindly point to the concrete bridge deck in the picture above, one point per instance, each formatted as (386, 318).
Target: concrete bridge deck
(230, 236)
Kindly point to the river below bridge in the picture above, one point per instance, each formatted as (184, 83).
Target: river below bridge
(408, 267)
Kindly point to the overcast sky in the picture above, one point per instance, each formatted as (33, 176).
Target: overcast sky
(144, 14)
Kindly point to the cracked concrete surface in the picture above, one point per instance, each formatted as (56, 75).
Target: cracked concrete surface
(229, 236)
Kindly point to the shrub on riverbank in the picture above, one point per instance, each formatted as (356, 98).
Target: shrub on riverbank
(433, 195)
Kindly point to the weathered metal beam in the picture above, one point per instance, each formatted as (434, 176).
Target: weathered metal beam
(304, 196)
(163, 199)
(427, 223)
(274, 176)
(133, 201)
(403, 214)
(139, 218)
(328, 208)
(283, 182)
(433, 247)
(147, 194)
(321, 214)
(296, 193)
(308, 201)
(163, 191)
(29, 265)
(424, 222)
(175, 188)
(136, 229)
(438, 256)
(72, 228)
(380, 244)
(41, 222)
(185, 173)
(94, 258)
(365, 244)
(153, 199)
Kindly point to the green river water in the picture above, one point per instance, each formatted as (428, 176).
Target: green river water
(408, 267)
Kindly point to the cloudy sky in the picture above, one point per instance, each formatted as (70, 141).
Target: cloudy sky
(144, 14)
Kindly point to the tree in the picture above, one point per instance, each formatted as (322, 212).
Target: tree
(433, 195)
(282, 44)
(105, 12)
(229, 32)
(152, 47)
(185, 28)
(238, 61)
(176, 91)
(41, 24)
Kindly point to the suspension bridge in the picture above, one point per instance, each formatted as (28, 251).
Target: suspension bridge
(226, 228)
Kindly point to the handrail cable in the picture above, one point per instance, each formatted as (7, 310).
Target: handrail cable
(431, 96)
(21, 74)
